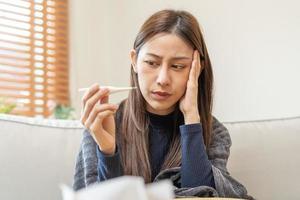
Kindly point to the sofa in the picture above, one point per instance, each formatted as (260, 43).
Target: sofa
(37, 155)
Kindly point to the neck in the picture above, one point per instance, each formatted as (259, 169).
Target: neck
(160, 112)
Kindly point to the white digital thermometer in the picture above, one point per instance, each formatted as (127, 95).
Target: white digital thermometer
(112, 89)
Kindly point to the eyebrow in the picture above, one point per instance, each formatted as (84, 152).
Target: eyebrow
(174, 58)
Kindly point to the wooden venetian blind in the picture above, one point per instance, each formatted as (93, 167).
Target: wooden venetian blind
(34, 54)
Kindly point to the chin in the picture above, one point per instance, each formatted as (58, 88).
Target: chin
(160, 107)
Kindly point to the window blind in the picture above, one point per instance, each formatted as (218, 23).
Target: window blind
(34, 70)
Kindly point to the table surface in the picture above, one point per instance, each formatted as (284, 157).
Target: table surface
(207, 198)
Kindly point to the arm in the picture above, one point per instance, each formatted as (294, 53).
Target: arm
(109, 166)
(196, 169)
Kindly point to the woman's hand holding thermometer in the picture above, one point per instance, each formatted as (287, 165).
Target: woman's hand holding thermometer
(97, 115)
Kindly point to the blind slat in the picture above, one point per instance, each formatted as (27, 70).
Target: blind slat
(13, 12)
(15, 64)
(13, 72)
(17, 4)
(13, 57)
(14, 50)
(15, 19)
(6, 91)
(13, 80)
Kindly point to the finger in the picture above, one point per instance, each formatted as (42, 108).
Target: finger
(199, 65)
(104, 139)
(97, 109)
(91, 102)
(97, 124)
(194, 71)
(104, 100)
(91, 91)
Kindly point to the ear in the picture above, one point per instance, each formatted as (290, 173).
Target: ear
(133, 57)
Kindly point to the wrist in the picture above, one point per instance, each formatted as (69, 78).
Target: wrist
(108, 150)
(191, 118)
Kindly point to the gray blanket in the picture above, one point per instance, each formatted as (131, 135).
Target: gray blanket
(86, 172)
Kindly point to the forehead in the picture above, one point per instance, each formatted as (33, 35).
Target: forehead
(166, 44)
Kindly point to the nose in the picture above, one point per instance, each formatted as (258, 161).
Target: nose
(163, 77)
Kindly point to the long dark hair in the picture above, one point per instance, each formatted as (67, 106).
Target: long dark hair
(134, 131)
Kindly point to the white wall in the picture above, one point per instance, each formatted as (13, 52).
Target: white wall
(254, 48)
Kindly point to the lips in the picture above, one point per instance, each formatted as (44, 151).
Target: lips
(160, 95)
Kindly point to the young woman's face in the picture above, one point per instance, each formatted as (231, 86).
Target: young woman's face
(163, 66)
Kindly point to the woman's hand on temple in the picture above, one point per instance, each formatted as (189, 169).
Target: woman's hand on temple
(98, 117)
(189, 102)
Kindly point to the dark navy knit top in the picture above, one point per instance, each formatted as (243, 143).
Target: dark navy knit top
(196, 169)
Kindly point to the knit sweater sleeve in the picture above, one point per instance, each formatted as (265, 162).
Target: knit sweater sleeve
(196, 169)
(86, 163)
(109, 166)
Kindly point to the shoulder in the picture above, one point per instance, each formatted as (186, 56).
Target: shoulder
(220, 134)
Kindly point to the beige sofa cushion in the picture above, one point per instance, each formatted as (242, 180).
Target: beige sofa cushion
(265, 157)
(36, 155)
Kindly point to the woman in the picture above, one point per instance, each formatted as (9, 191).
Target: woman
(165, 128)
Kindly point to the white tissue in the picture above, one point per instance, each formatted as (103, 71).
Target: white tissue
(122, 188)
